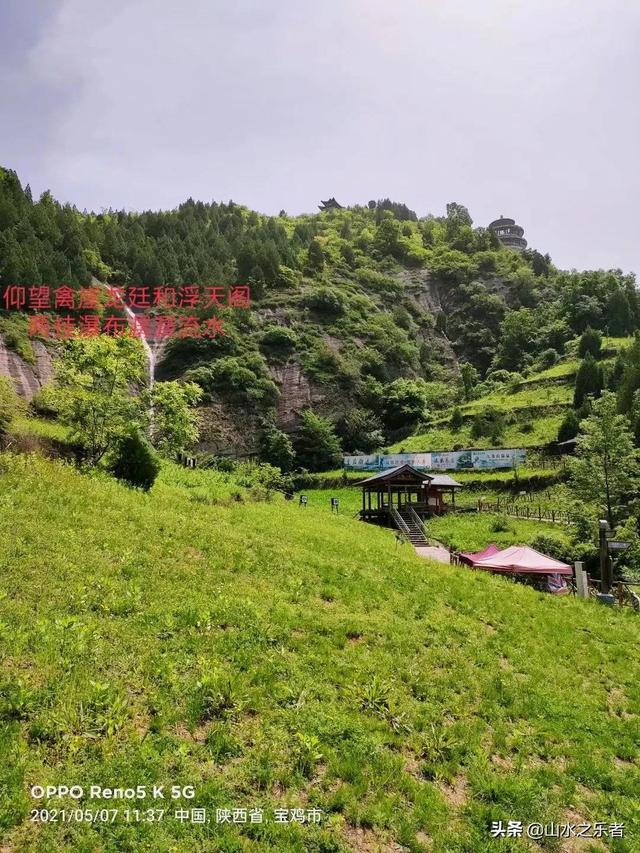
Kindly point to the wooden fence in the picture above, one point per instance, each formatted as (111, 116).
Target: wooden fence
(534, 513)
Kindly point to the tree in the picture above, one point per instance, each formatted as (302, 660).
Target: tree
(469, 377)
(457, 419)
(589, 381)
(519, 337)
(315, 259)
(93, 379)
(135, 461)
(590, 342)
(403, 403)
(488, 424)
(458, 213)
(360, 430)
(569, 427)
(174, 423)
(276, 448)
(388, 238)
(619, 314)
(316, 445)
(605, 470)
(627, 372)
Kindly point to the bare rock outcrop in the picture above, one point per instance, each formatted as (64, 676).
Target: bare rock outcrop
(296, 393)
(27, 378)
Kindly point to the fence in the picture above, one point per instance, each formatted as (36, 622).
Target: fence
(527, 511)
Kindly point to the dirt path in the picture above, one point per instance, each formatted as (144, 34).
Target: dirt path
(434, 552)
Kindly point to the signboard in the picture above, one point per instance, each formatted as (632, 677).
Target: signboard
(615, 545)
(454, 460)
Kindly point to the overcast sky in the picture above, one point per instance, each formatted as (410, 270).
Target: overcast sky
(527, 108)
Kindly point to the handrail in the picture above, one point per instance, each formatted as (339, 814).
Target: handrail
(401, 524)
(417, 520)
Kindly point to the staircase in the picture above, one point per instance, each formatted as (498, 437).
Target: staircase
(409, 522)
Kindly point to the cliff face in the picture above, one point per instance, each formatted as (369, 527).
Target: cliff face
(27, 378)
(296, 394)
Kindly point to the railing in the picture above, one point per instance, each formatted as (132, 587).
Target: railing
(415, 518)
(400, 523)
(556, 516)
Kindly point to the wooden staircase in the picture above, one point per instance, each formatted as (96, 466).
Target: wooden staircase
(407, 521)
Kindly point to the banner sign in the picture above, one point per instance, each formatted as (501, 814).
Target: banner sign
(455, 460)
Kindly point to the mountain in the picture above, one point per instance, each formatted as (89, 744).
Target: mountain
(368, 315)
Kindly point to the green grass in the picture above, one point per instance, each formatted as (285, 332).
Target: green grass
(526, 433)
(38, 427)
(537, 397)
(15, 332)
(274, 656)
(474, 531)
(564, 370)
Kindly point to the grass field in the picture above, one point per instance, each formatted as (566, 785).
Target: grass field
(277, 657)
(474, 531)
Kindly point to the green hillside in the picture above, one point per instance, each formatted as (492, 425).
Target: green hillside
(532, 407)
(370, 316)
(275, 656)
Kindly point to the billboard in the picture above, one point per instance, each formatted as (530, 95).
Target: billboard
(449, 460)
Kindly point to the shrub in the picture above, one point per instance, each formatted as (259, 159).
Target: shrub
(569, 427)
(9, 405)
(276, 448)
(456, 419)
(288, 278)
(552, 546)
(237, 378)
(325, 301)
(548, 358)
(501, 524)
(278, 340)
(135, 461)
(317, 445)
(590, 342)
(43, 403)
(489, 424)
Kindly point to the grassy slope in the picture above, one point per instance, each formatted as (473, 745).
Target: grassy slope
(536, 409)
(438, 699)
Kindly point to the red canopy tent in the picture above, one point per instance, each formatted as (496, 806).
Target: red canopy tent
(520, 559)
(472, 558)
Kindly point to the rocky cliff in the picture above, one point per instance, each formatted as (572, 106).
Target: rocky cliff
(27, 378)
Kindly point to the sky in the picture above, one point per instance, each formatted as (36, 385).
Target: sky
(526, 108)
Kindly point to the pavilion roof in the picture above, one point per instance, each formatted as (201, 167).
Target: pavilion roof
(444, 480)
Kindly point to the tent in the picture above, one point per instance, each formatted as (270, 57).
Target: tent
(472, 558)
(520, 559)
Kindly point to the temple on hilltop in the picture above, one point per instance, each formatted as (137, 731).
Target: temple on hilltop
(509, 234)
(331, 204)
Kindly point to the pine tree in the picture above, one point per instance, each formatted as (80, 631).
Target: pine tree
(589, 381)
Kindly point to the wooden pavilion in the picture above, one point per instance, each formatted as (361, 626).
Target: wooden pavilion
(404, 489)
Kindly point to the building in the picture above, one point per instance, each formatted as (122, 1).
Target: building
(404, 489)
(509, 234)
(330, 204)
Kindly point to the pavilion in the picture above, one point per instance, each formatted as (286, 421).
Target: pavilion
(330, 204)
(405, 488)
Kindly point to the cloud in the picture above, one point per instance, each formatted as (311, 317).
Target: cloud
(512, 107)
